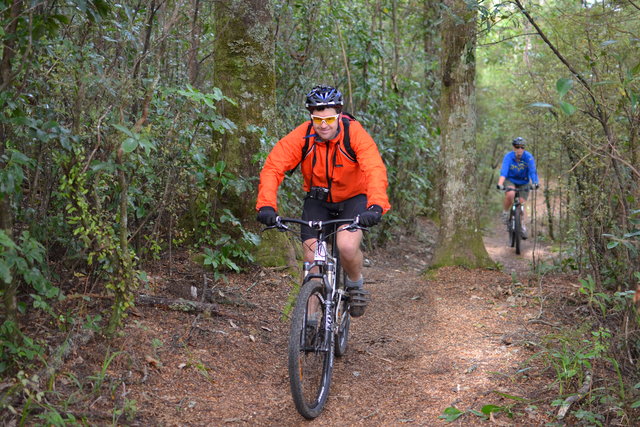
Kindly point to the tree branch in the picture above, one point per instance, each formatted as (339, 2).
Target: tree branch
(564, 408)
(507, 39)
(634, 5)
(562, 59)
(186, 306)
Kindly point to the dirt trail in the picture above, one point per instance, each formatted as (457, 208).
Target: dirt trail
(496, 241)
(424, 344)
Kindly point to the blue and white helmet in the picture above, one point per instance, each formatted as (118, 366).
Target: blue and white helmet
(323, 96)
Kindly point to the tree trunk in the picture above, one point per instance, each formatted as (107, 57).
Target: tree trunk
(8, 48)
(244, 69)
(192, 61)
(431, 16)
(6, 225)
(460, 240)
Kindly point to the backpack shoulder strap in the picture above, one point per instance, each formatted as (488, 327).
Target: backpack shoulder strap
(347, 137)
(305, 148)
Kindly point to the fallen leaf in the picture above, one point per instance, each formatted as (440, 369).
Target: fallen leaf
(153, 361)
(135, 311)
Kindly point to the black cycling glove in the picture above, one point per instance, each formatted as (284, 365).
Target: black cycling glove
(371, 216)
(267, 216)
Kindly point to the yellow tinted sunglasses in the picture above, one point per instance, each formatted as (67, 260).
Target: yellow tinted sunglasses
(329, 120)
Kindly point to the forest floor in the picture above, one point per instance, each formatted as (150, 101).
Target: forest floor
(428, 341)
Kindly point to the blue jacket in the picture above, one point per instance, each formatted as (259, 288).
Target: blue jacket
(519, 172)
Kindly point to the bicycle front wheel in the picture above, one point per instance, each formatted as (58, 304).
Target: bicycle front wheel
(343, 322)
(310, 352)
(517, 229)
(510, 228)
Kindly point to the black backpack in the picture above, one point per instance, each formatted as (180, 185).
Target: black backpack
(346, 141)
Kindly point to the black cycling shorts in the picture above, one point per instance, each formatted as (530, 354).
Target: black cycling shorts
(318, 210)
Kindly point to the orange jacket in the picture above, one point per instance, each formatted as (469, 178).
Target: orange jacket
(367, 175)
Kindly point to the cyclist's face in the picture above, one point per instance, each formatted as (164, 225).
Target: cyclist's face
(323, 129)
(519, 150)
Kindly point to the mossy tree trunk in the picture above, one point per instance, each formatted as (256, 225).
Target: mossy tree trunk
(460, 240)
(244, 69)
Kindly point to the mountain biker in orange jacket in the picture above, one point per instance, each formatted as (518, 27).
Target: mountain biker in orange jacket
(335, 181)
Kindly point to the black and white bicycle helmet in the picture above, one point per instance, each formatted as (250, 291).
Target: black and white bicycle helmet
(323, 96)
(518, 141)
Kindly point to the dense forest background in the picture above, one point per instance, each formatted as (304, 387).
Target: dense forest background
(132, 128)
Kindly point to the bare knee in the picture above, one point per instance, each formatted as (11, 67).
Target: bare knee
(349, 245)
(349, 250)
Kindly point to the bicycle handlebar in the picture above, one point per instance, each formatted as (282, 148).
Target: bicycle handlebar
(530, 188)
(317, 225)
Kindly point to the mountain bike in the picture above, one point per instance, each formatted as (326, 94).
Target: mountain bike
(320, 321)
(514, 224)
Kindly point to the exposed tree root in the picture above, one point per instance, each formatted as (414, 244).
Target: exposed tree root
(184, 305)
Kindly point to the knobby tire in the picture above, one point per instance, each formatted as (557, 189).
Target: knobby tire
(310, 365)
(343, 318)
(511, 228)
(517, 232)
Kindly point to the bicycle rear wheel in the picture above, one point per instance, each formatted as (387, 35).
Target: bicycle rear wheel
(310, 352)
(517, 229)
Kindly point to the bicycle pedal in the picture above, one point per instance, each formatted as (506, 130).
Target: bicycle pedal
(358, 301)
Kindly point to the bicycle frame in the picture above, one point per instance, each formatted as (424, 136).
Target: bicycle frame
(325, 262)
(516, 213)
(515, 205)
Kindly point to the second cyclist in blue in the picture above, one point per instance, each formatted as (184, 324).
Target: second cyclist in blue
(519, 171)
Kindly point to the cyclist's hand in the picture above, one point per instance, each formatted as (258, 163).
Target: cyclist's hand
(536, 186)
(371, 216)
(500, 187)
(267, 216)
